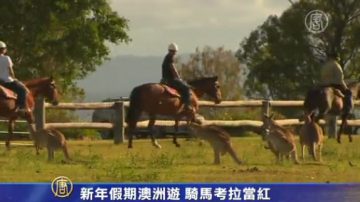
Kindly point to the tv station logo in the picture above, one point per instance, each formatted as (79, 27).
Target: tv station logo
(61, 187)
(316, 21)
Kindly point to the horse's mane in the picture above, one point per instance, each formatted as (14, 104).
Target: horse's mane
(35, 82)
(201, 80)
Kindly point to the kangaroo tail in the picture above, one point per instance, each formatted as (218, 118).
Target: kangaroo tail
(233, 154)
(312, 150)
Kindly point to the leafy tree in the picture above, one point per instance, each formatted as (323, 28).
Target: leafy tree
(284, 59)
(63, 38)
(216, 62)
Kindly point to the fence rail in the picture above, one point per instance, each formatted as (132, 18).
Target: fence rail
(119, 124)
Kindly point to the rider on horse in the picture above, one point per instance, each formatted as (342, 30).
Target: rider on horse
(8, 80)
(332, 75)
(171, 77)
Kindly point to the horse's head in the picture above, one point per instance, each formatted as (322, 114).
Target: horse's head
(209, 86)
(50, 92)
(44, 87)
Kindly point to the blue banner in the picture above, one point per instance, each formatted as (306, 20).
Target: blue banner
(62, 190)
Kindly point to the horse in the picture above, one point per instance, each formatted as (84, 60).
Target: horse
(157, 99)
(44, 87)
(329, 100)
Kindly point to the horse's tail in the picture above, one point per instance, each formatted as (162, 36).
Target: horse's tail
(134, 105)
(311, 98)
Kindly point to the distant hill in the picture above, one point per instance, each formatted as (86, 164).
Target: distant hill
(117, 77)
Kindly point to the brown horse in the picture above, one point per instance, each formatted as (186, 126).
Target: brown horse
(154, 99)
(328, 100)
(44, 87)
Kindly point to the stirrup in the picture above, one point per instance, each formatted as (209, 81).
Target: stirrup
(22, 110)
(188, 108)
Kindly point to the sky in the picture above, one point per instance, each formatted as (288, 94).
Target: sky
(190, 23)
(156, 23)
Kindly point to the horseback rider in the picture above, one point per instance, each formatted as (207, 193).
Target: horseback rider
(8, 80)
(332, 75)
(171, 77)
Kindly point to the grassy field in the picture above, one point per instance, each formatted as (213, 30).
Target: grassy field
(102, 161)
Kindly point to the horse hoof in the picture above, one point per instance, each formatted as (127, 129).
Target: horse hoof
(130, 147)
(177, 145)
(339, 141)
(157, 146)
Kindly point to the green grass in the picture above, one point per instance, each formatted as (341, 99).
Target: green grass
(102, 161)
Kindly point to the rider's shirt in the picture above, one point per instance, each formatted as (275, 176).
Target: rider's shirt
(5, 65)
(331, 73)
(167, 65)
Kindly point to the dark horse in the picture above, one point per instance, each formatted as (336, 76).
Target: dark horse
(328, 100)
(154, 99)
(44, 87)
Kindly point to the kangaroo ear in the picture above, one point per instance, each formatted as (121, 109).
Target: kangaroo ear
(312, 116)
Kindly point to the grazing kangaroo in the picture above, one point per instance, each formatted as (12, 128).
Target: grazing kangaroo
(218, 139)
(311, 135)
(280, 140)
(53, 139)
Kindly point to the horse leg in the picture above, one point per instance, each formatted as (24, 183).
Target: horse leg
(151, 124)
(10, 133)
(176, 126)
(342, 126)
(132, 125)
(31, 126)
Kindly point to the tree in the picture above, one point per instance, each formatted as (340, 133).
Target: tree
(63, 38)
(283, 58)
(216, 62)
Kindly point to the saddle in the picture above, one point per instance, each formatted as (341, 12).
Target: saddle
(7, 93)
(336, 91)
(171, 91)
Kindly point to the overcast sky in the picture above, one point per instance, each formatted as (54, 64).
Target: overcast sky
(190, 23)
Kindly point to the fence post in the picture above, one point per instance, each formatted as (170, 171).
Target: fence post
(265, 111)
(39, 113)
(331, 126)
(118, 121)
(265, 107)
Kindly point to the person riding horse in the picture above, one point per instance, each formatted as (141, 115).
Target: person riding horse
(8, 79)
(171, 77)
(332, 76)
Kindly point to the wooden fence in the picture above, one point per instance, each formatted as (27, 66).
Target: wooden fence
(118, 125)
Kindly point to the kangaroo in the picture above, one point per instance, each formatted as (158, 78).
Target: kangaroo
(280, 140)
(218, 139)
(53, 139)
(311, 135)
